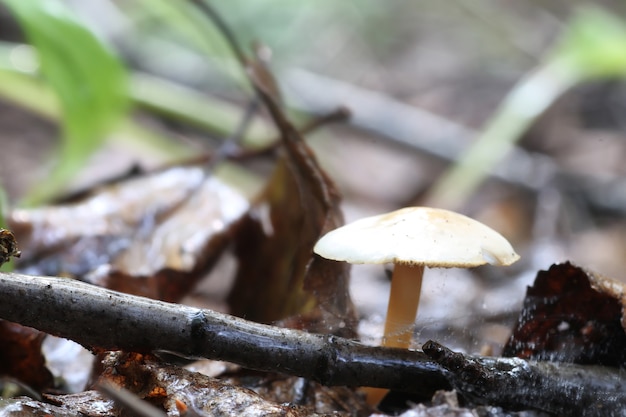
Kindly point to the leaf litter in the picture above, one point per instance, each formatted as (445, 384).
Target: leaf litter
(159, 234)
(154, 235)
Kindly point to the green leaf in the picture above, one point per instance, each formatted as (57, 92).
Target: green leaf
(88, 80)
(594, 45)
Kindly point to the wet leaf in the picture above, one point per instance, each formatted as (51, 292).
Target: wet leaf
(182, 246)
(8, 246)
(153, 235)
(70, 55)
(24, 406)
(21, 357)
(171, 387)
(571, 315)
(278, 274)
(87, 403)
(295, 390)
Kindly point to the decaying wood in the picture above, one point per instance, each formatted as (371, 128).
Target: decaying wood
(97, 317)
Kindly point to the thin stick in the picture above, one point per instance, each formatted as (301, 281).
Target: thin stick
(100, 318)
(341, 114)
(561, 388)
(97, 317)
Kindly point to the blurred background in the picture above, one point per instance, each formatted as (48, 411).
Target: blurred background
(538, 84)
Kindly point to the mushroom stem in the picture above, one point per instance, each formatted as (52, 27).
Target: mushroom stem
(404, 298)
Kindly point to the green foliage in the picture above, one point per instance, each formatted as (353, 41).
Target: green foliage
(90, 83)
(287, 26)
(292, 29)
(88, 80)
(594, 45)
(181, 20)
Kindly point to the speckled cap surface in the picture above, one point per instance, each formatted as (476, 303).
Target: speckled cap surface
(420, 236)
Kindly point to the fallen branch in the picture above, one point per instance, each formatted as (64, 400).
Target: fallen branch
(99, 318)
(96, 317)
(560, 388)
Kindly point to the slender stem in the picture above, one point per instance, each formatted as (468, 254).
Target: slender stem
(528, 99)
(404, 298)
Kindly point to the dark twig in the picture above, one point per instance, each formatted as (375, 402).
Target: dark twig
(263, 83)
(257, 73)
(341, 114)
(96, 317)
(561, 388)
(222, 27)
(232, 144)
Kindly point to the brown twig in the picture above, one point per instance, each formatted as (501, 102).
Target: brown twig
(237, 153)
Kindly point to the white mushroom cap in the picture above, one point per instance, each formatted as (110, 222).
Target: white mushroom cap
(420, 236)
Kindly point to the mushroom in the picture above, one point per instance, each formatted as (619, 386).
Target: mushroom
(414, 238)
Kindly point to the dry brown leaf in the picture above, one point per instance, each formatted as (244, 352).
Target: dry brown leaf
(283, 389)
(278, 274)
(85, 404)
(21, 357)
